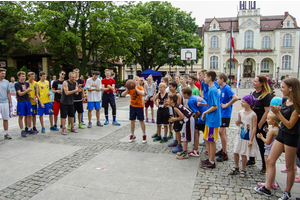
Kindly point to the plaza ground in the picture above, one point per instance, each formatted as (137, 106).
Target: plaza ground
(99, 163)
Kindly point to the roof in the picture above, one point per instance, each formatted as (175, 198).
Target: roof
(151, 72)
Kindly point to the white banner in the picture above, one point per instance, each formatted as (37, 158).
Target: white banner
(238, 77)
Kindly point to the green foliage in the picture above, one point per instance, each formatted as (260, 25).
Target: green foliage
(55, 70)
(11, 71)
(282, 77)
(24, 69)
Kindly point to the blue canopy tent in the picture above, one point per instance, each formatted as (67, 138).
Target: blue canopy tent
(155, 74)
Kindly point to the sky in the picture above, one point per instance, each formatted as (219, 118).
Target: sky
(209, 9)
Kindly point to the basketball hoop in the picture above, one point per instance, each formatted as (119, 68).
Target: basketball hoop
(188, 60)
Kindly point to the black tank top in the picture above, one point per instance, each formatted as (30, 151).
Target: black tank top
(161, 100)
(185, 111)
(68, 99)
(287, 111)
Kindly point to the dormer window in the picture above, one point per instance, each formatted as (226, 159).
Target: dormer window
(288, 23)
(266, 26)
(214, 26)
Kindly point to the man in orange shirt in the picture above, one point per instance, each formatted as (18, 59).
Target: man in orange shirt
(136, 109)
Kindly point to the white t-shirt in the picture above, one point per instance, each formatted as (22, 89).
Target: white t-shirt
(93, 84)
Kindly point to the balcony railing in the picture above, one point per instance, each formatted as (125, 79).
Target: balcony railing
(251, 50)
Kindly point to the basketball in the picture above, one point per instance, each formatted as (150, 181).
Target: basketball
(130, 84)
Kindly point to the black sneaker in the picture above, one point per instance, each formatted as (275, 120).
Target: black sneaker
(285, 196)
(263, 190)
(7, 137)
(34, 129)
(219, 152)
(164, 139)
(223, 157)
(157, 138)
(250, 163)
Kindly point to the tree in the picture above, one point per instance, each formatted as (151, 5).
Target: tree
(82, 33)
(11, 72)
(12, 29)
(171, 29)
(24, 69)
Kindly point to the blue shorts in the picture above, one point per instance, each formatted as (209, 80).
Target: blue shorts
(108, 98)
(136, 113)
(47, 110)
(34, 110)
(93, 104)
(24, 108)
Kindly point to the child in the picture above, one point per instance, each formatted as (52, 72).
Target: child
(162, 113)
(166, 80)
(33, 100)
(151, 93)
(272, 121)
(177, 80)
(245, 143)
(136, 109)
(287, 137)
(184, 116)
(192, 80)
(45, 107)
(227, 98)
(24, 106)
(198, 112)
(183, 80)
(212, 120)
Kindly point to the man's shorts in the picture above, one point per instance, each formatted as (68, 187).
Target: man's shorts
(225, 122)
(211, 134)
(188, 130)
(149, 103)
(136, 113)
(200, 127)
(47, 110)
(178, 126)
(56, 106)
(94, 104)
(78, 107)
(34, 110)
(163, 116)
(5, 111)
(24, 108)
(66, 110)
(108, 98)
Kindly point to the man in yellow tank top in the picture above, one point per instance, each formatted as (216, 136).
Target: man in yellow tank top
(33, 99)
(45, 107)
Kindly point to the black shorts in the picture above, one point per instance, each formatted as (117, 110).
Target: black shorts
(66, 110)
(162, 116)
(225, 122)
(78, 107)
(108, 98)
(199, 127)
(177, 126)
(287, 138)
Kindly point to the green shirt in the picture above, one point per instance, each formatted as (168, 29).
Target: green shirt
(178, 88)
(195, 91)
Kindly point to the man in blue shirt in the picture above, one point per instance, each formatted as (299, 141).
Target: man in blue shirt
(227, 98)
(212, 119)
(198, 111)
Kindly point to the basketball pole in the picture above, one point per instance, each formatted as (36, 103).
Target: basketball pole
(230, 54)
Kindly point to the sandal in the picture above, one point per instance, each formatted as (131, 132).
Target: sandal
(243, 174)
(234, 171)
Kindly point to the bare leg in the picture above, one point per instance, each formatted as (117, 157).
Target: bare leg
(146, 112)
(79, 117)
(159, 129)
(55, 119)
(34, 120)
(290, 157)
(212, 151)
(5, 125)
(166, 130)
(98, 115)
(152, 113)
(143, 127)
(178, 136)
(42, 121)
(185, 146)
(90, 115)
(29, 121)
(236, 160)
(244, 162)
(71, 120)
(63, 122)
(223, 136)
(206, 144)
(21, 122)
(196, 139)
(132, 127)
(51, 120)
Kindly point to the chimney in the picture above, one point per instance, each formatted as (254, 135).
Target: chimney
(286, 13)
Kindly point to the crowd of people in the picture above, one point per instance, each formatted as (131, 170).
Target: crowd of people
(187, 105)
(190, 106)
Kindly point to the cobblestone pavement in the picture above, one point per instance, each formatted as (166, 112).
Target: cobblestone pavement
(209, 184)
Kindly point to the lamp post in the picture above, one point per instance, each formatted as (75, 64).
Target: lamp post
(170, 54)
(123, 72)
(131, 68)
(225, 70)
(277, 75)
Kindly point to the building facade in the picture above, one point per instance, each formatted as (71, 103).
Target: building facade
(267, 45)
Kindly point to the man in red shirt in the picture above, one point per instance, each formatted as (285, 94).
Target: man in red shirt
(108, 87)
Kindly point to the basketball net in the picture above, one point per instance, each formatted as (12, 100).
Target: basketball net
(188, 60)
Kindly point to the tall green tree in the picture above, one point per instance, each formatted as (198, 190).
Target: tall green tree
(171, 29)
(83, 33)
(12, 29)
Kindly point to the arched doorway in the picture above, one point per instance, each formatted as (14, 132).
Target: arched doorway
(249, 69)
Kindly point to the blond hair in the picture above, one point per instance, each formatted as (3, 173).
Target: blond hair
(71, 73)
(21, 73)
(163, 85)
(274, 117)
(30, 73)
(265, 86)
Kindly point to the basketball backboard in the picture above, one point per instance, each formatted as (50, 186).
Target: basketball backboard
(188, 53)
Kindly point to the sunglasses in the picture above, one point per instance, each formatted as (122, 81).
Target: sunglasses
(63, 74)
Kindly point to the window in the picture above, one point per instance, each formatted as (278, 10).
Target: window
(266, 42)
(214, 43)
(229, 42)
(288, 23)
(266, 26)
(287, 40)
(214, 26)
(213, 62)
(248, 40)
(286, 62)
(265, 66)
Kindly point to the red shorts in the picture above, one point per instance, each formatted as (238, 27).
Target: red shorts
(56, 106)
(149, 103)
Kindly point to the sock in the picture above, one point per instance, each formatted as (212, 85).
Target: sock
(5, 132)
(132, 134)
(22, 129)
(144, 135)
(211, 162)
(106, 117)
(114, 118)
(29, 128)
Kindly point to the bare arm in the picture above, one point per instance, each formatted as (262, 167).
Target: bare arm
(213, 108)
(155, 99)
(272, 133)
(264, 117)
(288, 123)
(124, 93)
(24, 92)
(141, 92)
(180, 116)
(254, 123)
(37, 92)
(9, 98)
(179, 101)
(239, 120)
(66, 89)
(233, 100)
